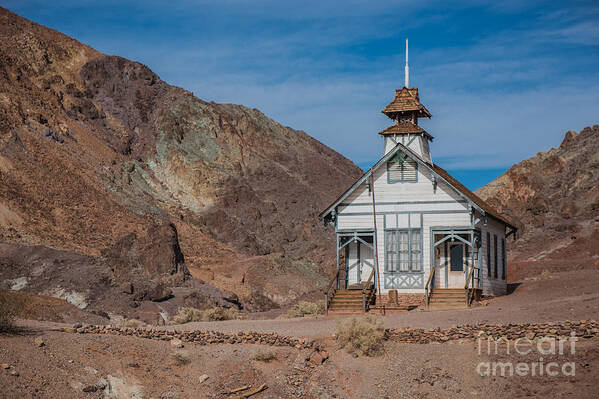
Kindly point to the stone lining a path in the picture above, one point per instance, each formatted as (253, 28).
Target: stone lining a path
(581, 329)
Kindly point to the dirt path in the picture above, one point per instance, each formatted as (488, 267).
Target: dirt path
(560, 296)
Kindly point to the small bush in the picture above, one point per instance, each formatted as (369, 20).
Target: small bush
(187, 315)
(363, 334)
(8, 312)
(180, 359)
(265, 357)
(302, 309)
(220, 314)
(131, 323)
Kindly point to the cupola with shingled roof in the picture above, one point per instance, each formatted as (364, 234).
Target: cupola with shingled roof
(405, 110)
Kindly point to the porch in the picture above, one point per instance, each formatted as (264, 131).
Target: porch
(353, 288)
(454, 279)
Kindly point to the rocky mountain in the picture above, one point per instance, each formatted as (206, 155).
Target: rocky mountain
(555, 197)
(110, 166)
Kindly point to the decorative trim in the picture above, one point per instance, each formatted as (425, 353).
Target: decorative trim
(404, 280)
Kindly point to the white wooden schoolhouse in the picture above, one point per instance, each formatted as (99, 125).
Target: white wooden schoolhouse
(410, 234)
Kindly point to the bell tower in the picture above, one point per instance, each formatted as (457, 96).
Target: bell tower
(405, 110)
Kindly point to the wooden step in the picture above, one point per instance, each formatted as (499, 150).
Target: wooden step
(345, 307)
(447, 307)
(349, 301)
(345, 311)
(452, 291)
(462, 296)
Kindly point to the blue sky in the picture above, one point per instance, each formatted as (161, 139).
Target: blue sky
(503, 80)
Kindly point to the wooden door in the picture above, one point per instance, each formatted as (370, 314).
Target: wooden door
(455, 277)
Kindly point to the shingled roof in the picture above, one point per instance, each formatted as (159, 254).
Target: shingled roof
(406, 100)
(405, 128)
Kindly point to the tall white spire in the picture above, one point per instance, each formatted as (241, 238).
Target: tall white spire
(407, 69)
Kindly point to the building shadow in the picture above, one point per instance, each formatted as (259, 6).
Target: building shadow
(512, 287)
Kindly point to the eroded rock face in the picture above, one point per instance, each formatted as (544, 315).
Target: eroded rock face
(555, 196)
(156, 254)
(96, 150)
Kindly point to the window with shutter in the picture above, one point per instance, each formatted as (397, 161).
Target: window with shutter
(400, 168)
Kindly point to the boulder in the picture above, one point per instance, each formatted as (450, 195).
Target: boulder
(90, 388)
(155, 255)
(159, 292)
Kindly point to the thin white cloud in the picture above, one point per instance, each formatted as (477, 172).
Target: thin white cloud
(497, 97)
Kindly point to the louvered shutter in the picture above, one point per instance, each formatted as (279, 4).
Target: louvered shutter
(394, 170)
(410, 169)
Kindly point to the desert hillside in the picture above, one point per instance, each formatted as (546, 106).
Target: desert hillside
(555, 197)
(110, 174)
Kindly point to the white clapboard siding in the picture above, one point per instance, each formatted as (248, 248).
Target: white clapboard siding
(491, 285)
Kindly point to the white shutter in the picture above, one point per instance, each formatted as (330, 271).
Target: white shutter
(410, 169)
(394, 171)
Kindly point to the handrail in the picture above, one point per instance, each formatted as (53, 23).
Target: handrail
(468, 279)
(330, 285)
(333, 280)
(427, 286)
(467, 284)
(368, 281)
(366, 301)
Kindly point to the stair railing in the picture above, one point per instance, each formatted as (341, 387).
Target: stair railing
(329, 291)
(469, 280)
(366, 301)
(428, 287)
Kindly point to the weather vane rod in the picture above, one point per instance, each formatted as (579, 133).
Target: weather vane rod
(407, 69)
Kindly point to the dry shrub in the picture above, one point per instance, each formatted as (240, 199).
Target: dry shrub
(8, 311)
(303, 308)
(265, 357)
(220, 314)
(131, 323)
(364, 334)
(180, 359)
(187, 315)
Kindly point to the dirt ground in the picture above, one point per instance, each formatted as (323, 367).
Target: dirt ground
(553, 297)
(128, 367)
(139, 368)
